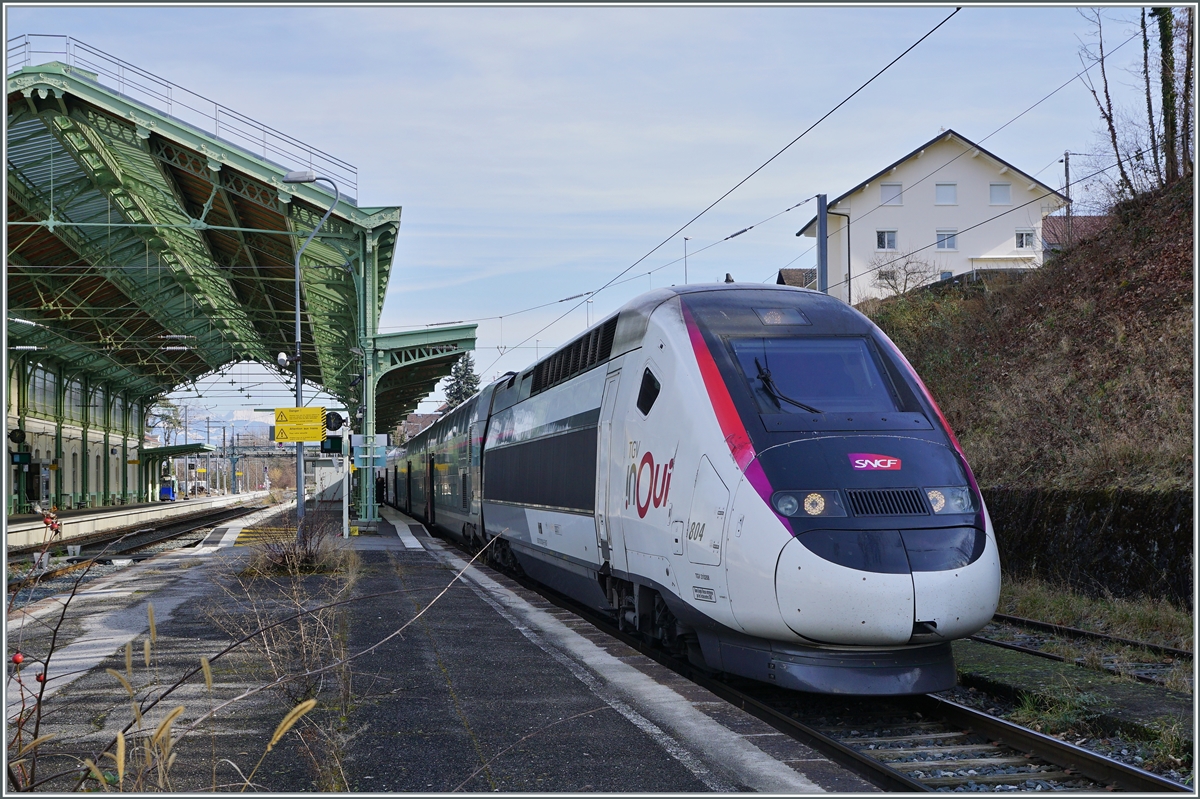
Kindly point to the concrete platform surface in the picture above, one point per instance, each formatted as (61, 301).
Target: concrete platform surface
(470, 684)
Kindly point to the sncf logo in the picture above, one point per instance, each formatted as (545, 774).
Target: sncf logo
(865, 460)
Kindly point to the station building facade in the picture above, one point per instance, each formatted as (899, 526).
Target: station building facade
(82, 438)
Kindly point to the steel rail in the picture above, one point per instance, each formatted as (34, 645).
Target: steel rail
(1096, 767)
(1026, 650)
(194, 522)
(1076, 632)
(106, 535)
(1089, 764)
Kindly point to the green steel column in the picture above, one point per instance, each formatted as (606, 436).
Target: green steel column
(85, 470)
(125, 450)
(141, 438)
(106, 417)
(369, 511)
(59, 401)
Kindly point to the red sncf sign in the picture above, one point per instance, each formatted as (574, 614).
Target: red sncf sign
(866, 461)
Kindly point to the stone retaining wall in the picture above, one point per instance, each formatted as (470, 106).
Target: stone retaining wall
(1125, 543)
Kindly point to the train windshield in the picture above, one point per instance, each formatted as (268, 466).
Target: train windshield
(813, 375)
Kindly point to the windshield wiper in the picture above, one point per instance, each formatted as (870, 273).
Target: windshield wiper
(765, 376)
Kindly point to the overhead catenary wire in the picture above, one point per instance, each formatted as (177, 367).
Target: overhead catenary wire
(758, 169)
(1039, 198)
(1055, 91)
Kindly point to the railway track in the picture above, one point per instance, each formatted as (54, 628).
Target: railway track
(117, 544)
(1122, 655)
(907, 744)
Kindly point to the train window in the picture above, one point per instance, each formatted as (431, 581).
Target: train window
(648, 393)
(813, 375)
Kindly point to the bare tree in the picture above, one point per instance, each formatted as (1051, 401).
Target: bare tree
(1152, 124)
(1185, 27)
(1086, 55)
(897, 274)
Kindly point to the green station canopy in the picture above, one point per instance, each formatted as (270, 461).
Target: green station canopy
(152, 240)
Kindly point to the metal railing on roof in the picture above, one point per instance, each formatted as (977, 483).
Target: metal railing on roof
(184, 106)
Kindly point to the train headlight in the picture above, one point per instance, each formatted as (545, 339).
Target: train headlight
(808, 503)
(786, 504)
(951, 499)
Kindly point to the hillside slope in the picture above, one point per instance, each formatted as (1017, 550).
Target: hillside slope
(1081, 375)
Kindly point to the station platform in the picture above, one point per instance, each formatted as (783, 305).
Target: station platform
(27, 530)
(467, 683)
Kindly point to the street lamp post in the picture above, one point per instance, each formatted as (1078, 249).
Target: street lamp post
(304, 176)
(686, 239)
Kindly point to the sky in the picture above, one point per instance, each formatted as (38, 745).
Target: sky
(539, 152)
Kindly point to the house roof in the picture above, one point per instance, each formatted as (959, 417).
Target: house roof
(1054, 228)
(796, 277)
(945, 135)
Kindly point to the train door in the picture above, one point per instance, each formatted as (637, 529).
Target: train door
(431, 491)
(408, 487)
(609, 469)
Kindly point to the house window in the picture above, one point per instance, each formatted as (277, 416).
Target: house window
(1001, 194)
(1024, 239)
(947, 239)
(891, 194)
(946, 194)
(885, 239)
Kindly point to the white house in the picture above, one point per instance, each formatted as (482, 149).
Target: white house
(948, 207)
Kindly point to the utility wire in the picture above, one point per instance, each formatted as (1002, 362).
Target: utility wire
(997, 216)
(1067, 83)
(740, 183)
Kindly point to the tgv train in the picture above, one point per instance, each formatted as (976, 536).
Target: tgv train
(755, 477)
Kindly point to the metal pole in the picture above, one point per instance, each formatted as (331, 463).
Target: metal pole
(686, 239)
(299, 377)
(1067, 189)
(822, 246)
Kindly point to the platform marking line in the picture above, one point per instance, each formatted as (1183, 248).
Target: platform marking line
(755, 768)
(105, 632)
(402, 530)
(672, 747)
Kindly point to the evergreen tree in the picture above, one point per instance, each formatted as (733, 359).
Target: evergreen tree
(463, 381)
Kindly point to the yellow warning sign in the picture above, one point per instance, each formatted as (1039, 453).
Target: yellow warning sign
(289, 416)
(299, 432)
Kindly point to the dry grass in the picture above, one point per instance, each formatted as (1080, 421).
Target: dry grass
(1081, 375)
(289, 590)
(1154, 621)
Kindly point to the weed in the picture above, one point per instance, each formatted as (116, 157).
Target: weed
(1065, 709)
(1171, 748)
(285, 578)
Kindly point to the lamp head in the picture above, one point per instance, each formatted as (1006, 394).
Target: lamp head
(300, 176)
(282, 360)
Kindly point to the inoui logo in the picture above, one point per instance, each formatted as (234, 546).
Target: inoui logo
(865, 460)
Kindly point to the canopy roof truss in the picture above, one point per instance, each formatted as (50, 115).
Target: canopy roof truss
(146, 253)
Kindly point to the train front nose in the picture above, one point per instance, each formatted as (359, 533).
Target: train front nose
(887, 587)
(833, 603)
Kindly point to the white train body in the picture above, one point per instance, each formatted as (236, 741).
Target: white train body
(753, 475)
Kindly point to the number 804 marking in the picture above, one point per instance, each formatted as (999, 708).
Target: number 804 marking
(696, 532)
